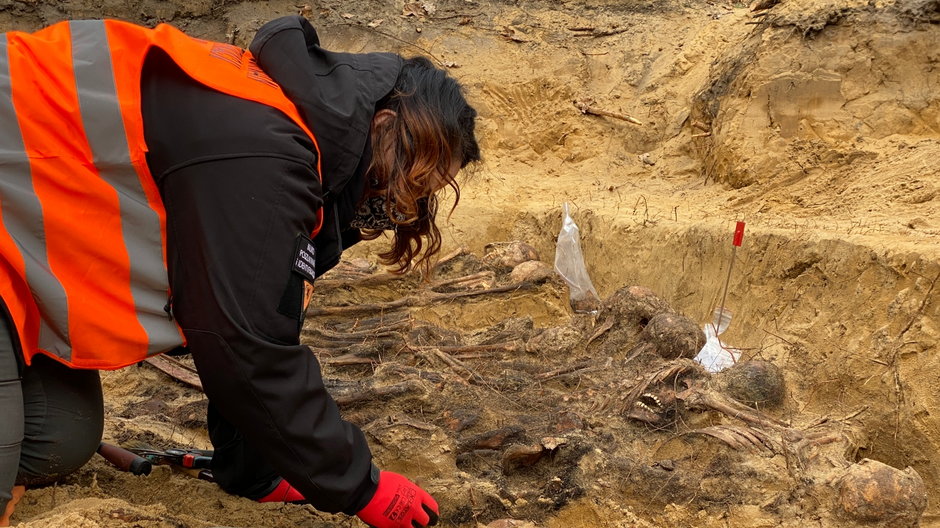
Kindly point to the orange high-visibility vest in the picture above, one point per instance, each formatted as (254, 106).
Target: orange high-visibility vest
(82, 226)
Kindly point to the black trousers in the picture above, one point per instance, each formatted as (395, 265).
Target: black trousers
(51, 418)
(236, 466)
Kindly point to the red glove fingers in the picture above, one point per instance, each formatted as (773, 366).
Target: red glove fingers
(284, 492)
(399, 503)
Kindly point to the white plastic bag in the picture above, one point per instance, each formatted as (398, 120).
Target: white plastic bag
(569, 264)
(715, 356)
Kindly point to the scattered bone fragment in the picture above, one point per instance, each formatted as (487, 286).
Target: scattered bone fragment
(534, 271)
(551, 443)
(479, 280)
(880, 495)
(504, 256)
(587, 106)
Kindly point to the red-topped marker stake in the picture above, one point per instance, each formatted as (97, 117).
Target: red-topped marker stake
(738, 233)
(738, 238)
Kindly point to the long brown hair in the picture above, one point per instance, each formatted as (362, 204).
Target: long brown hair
(412, 155)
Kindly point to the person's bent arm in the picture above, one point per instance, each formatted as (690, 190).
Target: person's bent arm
(232, 228)
(239, 187)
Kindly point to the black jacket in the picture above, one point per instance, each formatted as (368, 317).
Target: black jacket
(240, 190)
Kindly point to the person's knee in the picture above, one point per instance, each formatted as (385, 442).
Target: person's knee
(58, 455)
(64, 421)
(11, 436)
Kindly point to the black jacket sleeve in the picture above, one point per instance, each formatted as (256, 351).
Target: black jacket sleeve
(239, 186)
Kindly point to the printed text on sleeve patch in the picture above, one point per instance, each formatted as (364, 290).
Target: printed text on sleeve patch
(305, 258)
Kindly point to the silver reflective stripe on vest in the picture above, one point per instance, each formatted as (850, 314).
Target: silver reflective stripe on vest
(104, 127)
(22, 218)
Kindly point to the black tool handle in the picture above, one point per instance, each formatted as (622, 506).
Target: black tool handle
(124, 459)
(190, 458)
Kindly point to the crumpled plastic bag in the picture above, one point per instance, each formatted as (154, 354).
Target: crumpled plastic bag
(715, 356)
(569, 264)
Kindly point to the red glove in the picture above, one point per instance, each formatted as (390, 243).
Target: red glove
(399, 503)
(284, 492)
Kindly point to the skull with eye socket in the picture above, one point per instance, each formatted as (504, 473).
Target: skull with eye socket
(658, 406)
(656, 400)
